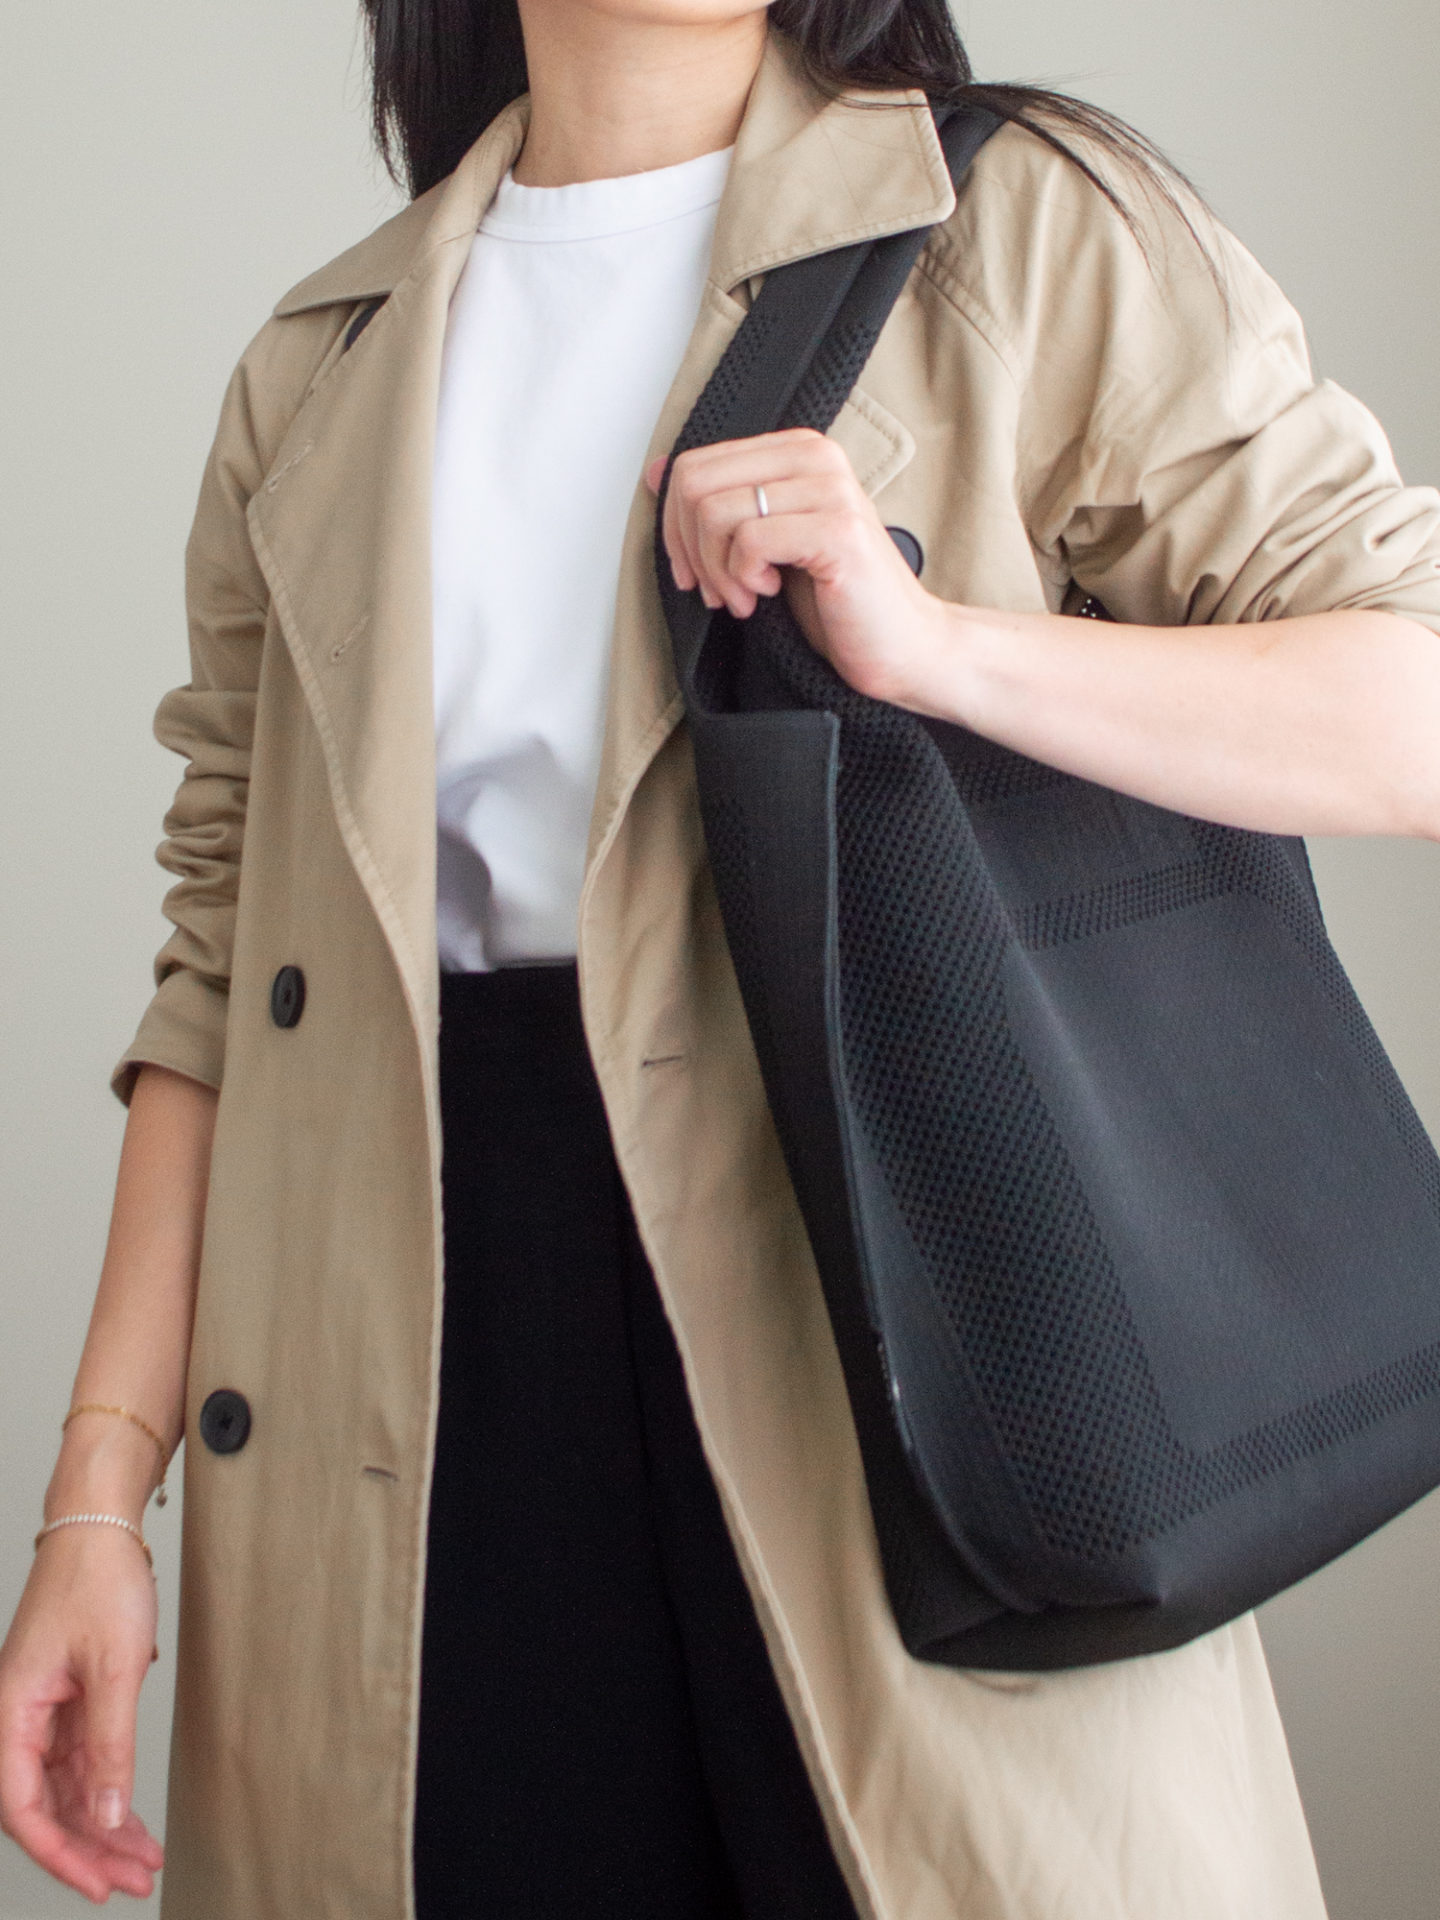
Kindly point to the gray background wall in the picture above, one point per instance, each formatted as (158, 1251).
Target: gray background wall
(168, 170)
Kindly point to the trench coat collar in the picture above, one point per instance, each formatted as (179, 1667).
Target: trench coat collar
(341, 522)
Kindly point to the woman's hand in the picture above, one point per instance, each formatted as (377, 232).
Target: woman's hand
(822, 541)
(1316, 723)
(70, 1676)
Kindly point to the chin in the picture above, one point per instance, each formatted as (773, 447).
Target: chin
(677, 13)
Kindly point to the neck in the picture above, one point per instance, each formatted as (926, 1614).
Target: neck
(611, 96)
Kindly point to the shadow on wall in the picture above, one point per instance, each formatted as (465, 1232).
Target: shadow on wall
(1355, 1651)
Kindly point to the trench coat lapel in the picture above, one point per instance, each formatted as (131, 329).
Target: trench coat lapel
(806, 176)
(341, 523)
(341, 529)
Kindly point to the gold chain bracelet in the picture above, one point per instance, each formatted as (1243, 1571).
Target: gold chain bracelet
(124, 1413)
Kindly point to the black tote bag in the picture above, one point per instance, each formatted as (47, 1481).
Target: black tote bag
(1129, 1236)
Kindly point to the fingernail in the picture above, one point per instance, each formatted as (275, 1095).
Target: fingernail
(110, 1809)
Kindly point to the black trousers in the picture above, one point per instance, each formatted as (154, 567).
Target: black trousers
(601, 1734)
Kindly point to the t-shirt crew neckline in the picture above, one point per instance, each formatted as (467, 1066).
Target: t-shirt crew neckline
(596, 209)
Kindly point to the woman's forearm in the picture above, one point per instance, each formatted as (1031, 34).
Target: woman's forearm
(138, 1344)
(83, 1636)
(1322, 723)
(1326, 723)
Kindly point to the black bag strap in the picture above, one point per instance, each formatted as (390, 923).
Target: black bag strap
(800, 350)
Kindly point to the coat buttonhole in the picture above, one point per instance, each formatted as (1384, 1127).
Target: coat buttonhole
(280, 472)
(379, 1473)
(339, 650)
(662, 1060)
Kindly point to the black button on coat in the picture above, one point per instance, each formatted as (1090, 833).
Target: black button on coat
(225, 1420)
(287, 997)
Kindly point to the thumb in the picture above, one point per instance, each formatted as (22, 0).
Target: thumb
(655, 472)
(112, 1696)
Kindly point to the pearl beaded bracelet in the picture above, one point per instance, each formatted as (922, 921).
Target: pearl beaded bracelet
(98, 1520)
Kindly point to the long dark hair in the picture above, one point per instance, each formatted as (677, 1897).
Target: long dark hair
(442, 69)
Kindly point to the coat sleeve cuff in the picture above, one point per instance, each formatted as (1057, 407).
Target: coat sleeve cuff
(183, 1028)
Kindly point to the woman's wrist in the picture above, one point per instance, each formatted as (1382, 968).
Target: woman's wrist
(947, 665)
(108, 1467)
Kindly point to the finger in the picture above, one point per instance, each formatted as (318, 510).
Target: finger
(738, 466)
(88, 1866)
(713, 489)
(706, 523)
(127, 1859)
(128, 1853)
(762, 456)
(126, 1872)
(819, 544)
(27, 1805)
(134, 1841)
(111, 1703)
(727, 566)
(718, 518)
(671, 529)
(120, 1873)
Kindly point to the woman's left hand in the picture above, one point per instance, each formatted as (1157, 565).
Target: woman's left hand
(822, 541)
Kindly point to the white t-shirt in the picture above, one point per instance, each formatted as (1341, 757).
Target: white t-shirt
(565, 333)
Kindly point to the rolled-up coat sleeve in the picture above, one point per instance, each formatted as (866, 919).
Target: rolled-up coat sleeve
(1178, 459)
(210, 722)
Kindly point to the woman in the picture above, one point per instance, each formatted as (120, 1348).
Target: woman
(647, 1665)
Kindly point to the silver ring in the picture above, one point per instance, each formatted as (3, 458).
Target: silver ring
(762, 505)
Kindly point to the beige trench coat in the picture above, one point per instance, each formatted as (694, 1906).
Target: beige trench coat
(1040, 406)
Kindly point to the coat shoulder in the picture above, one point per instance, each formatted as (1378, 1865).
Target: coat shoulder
(1035, 254)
